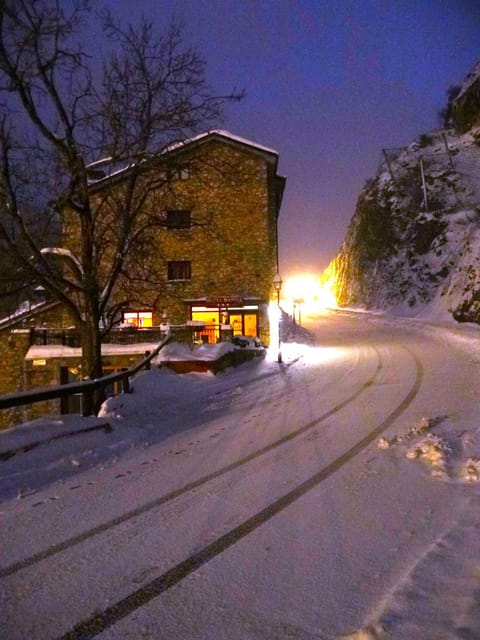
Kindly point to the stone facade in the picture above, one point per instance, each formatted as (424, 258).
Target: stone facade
(231, 244)
(230, 193)
(26, 366)
(16, 373)
(213, 252)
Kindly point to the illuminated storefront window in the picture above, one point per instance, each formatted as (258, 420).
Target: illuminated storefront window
(243, 320)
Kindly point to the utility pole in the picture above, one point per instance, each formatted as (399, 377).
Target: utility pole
(424, 186)
(388, 164)
(450, 157)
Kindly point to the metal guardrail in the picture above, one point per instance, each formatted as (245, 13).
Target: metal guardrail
(87, 387)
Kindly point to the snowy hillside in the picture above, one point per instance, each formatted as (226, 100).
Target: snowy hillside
(413, 242)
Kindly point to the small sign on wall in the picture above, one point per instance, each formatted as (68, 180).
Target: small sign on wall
(39, 363)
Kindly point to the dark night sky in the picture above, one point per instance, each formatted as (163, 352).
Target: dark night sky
(329, 84)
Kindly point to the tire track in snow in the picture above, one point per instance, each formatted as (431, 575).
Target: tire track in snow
(124, 607)
(176, 493)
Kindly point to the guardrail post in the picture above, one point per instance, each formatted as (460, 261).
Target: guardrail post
(148, 364)
(126, 384)
(87, 401)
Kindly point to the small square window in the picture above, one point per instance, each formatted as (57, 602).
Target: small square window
(179, 219)
(179, 172)
(179, 270)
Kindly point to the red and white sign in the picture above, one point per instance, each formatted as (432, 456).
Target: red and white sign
(225, 301)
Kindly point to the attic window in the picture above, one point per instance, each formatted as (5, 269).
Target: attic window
(179, 270)
(179, 172)
(179, 219)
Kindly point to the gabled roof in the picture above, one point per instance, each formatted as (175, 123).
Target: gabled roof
(221, 134)
(107, 169)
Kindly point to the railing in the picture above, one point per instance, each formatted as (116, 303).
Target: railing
(189, 334)
(72, 338)
(87, 387)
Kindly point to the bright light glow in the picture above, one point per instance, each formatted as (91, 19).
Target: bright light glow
(309, 293)
(326, 296)
(274, 320)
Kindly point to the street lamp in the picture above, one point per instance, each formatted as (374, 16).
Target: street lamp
(277, 285)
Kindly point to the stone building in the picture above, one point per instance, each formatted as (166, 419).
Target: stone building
(210, 259)
(213, 251)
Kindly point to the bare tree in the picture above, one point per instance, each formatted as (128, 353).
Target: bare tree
(60, 112)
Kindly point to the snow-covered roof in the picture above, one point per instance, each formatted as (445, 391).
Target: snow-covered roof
(24, 311)
(112, 168)
(40, 352)
(224, 134)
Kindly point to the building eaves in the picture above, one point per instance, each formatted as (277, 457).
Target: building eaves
(220, 133)
(119, 170)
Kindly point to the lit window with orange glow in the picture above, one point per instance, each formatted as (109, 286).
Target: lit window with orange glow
(138, 318)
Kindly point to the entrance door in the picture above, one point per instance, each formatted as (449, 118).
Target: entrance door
(250, 325)
(235, 321)
(244, 324)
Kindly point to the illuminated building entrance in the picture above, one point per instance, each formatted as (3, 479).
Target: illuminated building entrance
(242, 317)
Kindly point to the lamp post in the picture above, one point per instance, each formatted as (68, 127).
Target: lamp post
(277, 285)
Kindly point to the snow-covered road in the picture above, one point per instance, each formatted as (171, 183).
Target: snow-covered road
(334, 495)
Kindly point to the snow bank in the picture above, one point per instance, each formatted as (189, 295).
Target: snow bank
(181, 352)
(444, 461)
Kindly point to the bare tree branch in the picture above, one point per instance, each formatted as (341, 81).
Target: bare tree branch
(58, 113)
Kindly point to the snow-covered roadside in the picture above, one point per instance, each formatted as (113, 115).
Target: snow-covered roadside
(437, 596)
(161, 403)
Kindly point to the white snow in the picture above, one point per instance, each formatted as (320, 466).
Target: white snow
(178, 352)
(225, 134)
(386, 546)
(63, 351)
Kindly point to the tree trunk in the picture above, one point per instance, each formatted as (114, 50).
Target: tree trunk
(91, 357)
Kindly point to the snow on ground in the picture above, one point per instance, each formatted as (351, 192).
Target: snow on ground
(429, 461)
(448, 572)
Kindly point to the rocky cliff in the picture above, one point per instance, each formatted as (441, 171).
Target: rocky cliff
(413, 243)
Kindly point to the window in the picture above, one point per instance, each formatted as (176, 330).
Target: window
(180, 172)
(179, 219)
(179, 270)
(245, 324)
(138, 318)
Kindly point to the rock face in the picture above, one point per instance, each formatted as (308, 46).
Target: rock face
(413, 243)
(465, 108)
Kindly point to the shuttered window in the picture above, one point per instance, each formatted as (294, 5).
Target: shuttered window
(179, 270)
